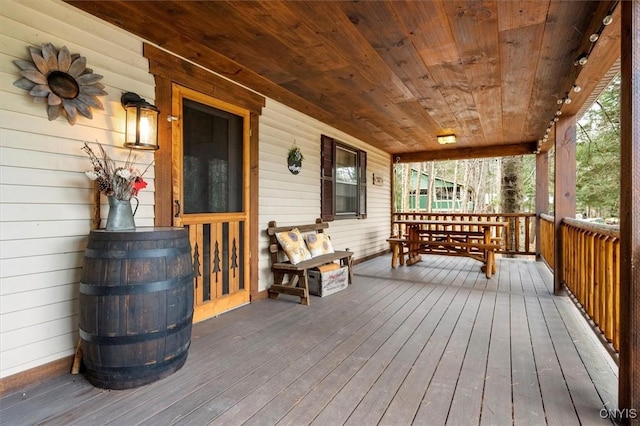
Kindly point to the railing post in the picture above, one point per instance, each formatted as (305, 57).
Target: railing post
(565, 187)
(629, 381)
(542, 194)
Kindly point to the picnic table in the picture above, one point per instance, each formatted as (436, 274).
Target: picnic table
(475, 239)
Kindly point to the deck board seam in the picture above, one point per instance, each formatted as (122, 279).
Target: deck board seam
(300, 331)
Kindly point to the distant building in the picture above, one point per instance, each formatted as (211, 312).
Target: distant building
(443, 199)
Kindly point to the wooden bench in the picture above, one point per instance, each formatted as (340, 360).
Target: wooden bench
(297, 283)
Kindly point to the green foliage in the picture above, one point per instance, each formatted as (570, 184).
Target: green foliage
(598, 168)
(528, 183)
(295, 155)
(598, 156)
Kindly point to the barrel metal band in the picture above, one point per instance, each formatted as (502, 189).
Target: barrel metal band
(134, 288)
(97, 370)
(136, 254)
(138, 338)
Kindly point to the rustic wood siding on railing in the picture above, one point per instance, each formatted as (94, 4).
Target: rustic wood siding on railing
(592, 273)
(519, 236)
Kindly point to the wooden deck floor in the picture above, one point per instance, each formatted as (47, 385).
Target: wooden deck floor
(435, 343)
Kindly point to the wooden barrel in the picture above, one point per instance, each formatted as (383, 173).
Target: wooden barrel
(136, 305)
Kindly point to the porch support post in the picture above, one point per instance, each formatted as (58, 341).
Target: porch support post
(163, 184)
(392, 183)
(565, 188)
(542, 193)
(629, 375)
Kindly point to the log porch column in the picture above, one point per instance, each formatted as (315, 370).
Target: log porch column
(542, 193)
(565, 188)
(629, 375)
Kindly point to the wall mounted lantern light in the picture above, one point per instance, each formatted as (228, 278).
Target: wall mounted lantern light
(142, 122)
(446, 139)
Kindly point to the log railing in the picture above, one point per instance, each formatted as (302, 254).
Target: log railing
(591, 271)
(519, 236)
(590, 252)
(547, 239)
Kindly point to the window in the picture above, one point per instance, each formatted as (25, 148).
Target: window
(344, 182)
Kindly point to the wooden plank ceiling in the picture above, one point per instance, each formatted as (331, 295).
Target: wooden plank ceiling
(396, 73)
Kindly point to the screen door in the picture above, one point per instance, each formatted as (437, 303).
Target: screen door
(210, 190)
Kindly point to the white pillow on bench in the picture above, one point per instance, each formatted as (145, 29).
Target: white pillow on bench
(319, 244)
(293, 245)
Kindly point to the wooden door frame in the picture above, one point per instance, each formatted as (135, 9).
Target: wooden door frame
(237, 295)
(168, 69)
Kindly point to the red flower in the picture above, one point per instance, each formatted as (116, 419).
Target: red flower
(138, 184)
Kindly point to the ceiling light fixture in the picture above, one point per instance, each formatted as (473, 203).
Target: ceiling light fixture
(446, 139)
(594, 37)
(607, 20)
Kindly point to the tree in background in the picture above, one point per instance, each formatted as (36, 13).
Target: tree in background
(508, 184)
(529, 183)
(511, 189)
(598, 156)
(477, 184)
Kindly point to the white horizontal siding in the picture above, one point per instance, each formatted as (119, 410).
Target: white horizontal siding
(46, 205)
(50, 296)
(52, 348)
(295, 199)
(35, 281)
(15, 339)
(19, 249)
(46, 208)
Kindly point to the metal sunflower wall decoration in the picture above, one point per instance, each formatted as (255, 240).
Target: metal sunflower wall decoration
(61, 80)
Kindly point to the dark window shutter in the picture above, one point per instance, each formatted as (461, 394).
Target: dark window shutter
(327, 160)
(362, 183)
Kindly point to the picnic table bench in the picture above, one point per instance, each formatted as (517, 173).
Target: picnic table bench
(472, 239)
(291, 278)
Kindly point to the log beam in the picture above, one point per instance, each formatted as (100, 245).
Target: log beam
(466, 153)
